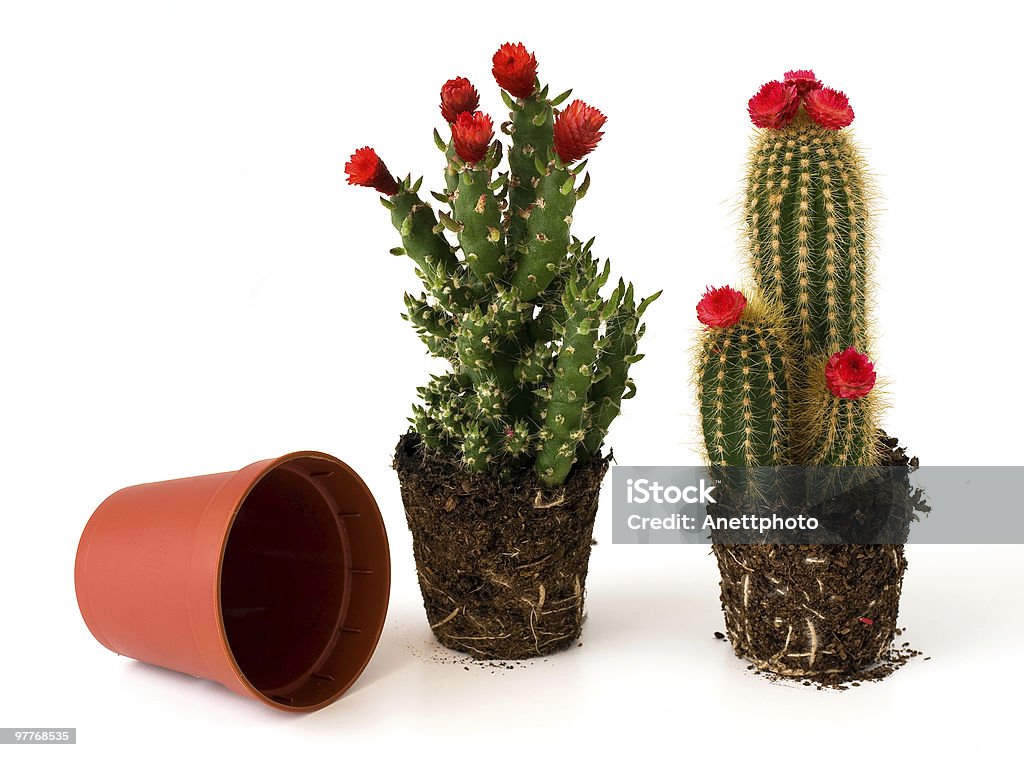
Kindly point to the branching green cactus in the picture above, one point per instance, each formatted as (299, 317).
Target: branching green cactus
(622, 334)
(808, 231)
(531, 140)
(547, 230)
(476, 219)
(570, 387)
(539, 358)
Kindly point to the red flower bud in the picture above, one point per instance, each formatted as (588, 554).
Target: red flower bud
(774, 105)
(365, 169)
(458, 95)
(472, 134)
(578, 130)
(515, 69)
(721, 307)
(849, 374)
(804, 80)
(828, 108)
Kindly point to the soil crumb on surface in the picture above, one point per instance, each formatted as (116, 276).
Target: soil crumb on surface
(898, 655)
(429, 652)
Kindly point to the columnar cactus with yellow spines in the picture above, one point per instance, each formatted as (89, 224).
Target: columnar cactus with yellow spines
(743, 383)
(808, 214)
(808, 233)
(839, 412)
(539, 359)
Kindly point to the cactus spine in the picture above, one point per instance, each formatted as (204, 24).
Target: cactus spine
(539, 358)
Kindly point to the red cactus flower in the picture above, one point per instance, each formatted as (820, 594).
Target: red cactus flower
(578, 130)
(472, 134)
(829, 108)
(721, 307)
(849, 374)
(458, 95)
(365, 169)
(804, 80)
(515, 69)
(774, 105)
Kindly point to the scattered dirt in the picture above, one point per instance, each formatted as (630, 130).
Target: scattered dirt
(824, 614)
(891, 660)
(502, 563)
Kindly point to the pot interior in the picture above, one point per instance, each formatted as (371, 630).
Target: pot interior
(284, 584)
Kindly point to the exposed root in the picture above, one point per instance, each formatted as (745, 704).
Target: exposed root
(738, 561)
(450, 615)
(814, 642)
(540, 504)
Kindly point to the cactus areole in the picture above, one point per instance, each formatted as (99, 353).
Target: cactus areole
(539, 357)
(502, 467)
(784, 378)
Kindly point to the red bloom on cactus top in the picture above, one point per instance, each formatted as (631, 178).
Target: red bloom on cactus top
(515, 69)
(849, 374)
(774, 105)
(804, 80)
(365, 169)
(777, 102)
(577, 130)
(829, 108)
(458, 95)
(472, 134)
(721, 307)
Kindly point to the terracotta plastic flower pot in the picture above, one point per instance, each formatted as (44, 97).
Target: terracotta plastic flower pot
(272, 580)
(502, 563)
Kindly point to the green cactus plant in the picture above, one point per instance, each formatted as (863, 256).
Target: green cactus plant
(808, 211)
(744, 388)
(820, 604)
(622, 334)
(539, 358)
(840, 420)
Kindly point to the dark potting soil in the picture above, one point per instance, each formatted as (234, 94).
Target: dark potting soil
(822, 613)
(502, 563)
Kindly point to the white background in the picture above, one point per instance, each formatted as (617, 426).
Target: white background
(187, 285)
